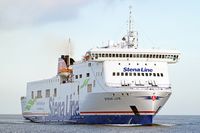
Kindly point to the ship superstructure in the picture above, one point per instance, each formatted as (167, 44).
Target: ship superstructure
(115, 84)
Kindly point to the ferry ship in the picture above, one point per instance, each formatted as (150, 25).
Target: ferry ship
(116, 84)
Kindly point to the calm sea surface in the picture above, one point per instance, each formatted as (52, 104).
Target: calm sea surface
(162, 124)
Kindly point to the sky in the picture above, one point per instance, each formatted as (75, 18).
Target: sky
(33, 34)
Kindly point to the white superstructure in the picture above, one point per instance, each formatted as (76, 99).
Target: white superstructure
(115, 84)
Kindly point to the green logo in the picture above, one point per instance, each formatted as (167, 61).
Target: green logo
(85, 82)
(30, 104)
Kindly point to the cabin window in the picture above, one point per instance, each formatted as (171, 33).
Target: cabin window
(134, 74)
(134, 55)
(127, 55)
(113, 73)
(99, 55)
(94, 83)
(106, 55)
(163, 56)
(140, 55)
(160, 56)
(120, 55)
(150, 56)
(161, 74)
(80, 76)
(32, 94)
(147, 55)
(144, 56)
(138, 74)
(126, 74)
(87, 74)
(89, 88)
(39, 94)
(103, 55)
(130, 74)
(154, 56)
(47, 93)
(55, 92)
(122, 74)
(158, 74)
(78, 90)
(150, 74)
(118, 73)
(113, 55)
(124, 55)
(131, 55)
(76, 76)
(146, 74)
(142, 74)
(109, 55)
(154, 74)
(116, 55)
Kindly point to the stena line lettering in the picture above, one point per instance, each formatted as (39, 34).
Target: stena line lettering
(143, 69)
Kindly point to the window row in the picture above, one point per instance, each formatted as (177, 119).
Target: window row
(161, 56)
(80, 75)
(137, 74)
(47, 93)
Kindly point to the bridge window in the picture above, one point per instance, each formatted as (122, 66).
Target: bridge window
(156, 56)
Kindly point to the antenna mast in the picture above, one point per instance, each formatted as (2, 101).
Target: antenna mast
(131, 35)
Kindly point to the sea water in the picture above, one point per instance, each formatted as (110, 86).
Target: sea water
(162, 124)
